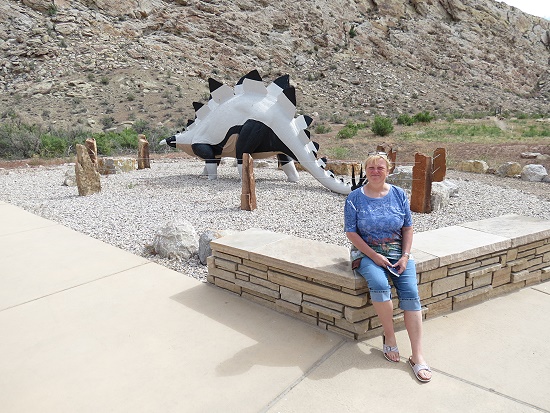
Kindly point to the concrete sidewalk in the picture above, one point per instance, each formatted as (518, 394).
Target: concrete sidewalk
(87, 327)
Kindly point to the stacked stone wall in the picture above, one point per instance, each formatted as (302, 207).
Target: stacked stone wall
(340, 302)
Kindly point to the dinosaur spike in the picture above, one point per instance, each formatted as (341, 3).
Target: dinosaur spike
(290, 93)
(190, 122)
(253, 75)
(283, 82)
(213, 84)
(308, 119)
(253, 86)
(308, 133)
(316, 146)
(300, 123)
(311, 147)
(197, 106)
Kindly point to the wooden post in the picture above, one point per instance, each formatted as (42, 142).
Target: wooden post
(421, 193)
(439, 165)
(248, 195)
(91, 146)
(392, 155)
(143, 152)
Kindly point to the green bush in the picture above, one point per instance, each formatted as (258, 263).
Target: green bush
(18, 140)
(425, 117)
(52, 146)
(405, 119)
(350, 130)
(320, 129)
(116, 142)
(382, 126)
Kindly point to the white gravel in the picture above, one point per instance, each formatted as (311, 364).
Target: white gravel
(131, 207)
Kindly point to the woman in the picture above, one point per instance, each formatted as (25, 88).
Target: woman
(378, 222)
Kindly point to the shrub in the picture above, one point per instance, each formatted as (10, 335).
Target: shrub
(350, 130)
(320, 129)
(18, 140)
(405, 119)
(107, 122)
(52, 146)
(382, 126)
(423, 117)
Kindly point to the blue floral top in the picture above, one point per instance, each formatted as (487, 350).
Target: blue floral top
(379, 220)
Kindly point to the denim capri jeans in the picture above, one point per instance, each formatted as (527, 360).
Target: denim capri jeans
(379, 286)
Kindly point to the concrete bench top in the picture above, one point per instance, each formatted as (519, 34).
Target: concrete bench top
(431, 249)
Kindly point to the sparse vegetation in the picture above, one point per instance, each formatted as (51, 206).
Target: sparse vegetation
(382, 126)
(350, 130)
(322, 128)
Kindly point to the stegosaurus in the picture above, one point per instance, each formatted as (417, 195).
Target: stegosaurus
(258, 120)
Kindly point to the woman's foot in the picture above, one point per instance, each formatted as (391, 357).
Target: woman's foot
(421, 370)
(390, 350)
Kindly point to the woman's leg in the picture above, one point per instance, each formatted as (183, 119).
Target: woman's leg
(413, 324)
(384, 310)
(380, 293)
(409, 302)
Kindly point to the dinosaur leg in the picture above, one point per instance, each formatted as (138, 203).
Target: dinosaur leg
(206, 152)
(288, 167)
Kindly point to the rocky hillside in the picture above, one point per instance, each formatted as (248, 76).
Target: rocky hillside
(101, 63)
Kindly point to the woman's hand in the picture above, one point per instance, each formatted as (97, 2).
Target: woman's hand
(382, 261)
(401, 264)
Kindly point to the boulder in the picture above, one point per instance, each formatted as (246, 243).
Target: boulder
(509, 169)
(111, 166)
(204, 242)
(533, 173)
(176, 240)
(440, 196)
(87, 177)
(402, 177)
(70, 177)
(476, 166)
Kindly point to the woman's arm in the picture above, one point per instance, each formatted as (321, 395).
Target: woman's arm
(406, 245)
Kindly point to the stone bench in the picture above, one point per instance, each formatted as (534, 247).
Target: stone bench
(457, 266)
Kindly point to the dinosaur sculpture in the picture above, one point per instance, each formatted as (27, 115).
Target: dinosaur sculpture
(255, 119)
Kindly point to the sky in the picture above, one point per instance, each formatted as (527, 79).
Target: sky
(539, 8)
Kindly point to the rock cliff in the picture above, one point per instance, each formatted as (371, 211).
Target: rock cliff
(99, 63)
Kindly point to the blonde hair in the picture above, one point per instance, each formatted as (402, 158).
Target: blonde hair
(373, 157)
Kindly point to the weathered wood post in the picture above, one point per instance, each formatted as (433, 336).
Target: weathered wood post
(91, 146)
(87, 176)
(392, 156)
(143, 152)
(248, 195)
(439, 165)
(421, 192)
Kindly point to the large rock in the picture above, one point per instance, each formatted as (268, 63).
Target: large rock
(440, 197)
(114, 165)
(509, 169)
(533, 173)
(87, 177)
(476, 166)
(204, 242)
(401, 176)
(176, 240)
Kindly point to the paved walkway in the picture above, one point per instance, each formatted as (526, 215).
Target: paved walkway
(87, 327)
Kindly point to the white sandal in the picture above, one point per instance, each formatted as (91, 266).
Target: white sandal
(389, 349)
(417, 368)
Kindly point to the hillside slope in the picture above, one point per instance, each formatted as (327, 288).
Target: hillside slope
(97, 63)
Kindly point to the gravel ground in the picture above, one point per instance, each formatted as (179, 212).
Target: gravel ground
(131, 207)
